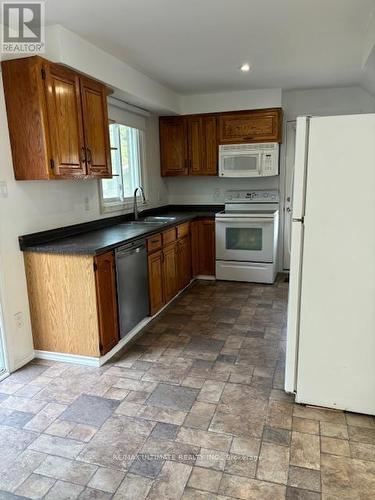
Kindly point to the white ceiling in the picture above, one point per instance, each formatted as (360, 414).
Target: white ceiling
(197, 46)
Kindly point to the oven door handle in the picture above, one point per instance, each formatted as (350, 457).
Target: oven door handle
(245, 219)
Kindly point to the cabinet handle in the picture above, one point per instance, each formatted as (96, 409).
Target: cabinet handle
(89, 155)
(83, 157)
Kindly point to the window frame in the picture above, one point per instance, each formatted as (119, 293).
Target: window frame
(126, 204)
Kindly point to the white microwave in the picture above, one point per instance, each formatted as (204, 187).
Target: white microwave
(249, 160)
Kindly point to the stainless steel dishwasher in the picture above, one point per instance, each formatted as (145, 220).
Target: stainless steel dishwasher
(132, 285)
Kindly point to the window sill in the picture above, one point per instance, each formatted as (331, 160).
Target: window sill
(122, 207)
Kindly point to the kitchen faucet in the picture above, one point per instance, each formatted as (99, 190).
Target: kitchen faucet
(140, 188)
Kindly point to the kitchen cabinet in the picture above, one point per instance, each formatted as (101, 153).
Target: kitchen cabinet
(173, 146)
(57, 119)
(202, 145)
(106, 294)
(170, 282)
(250, 126)
(155, 277)
(203, 247)
(73, 302)
(184, 262)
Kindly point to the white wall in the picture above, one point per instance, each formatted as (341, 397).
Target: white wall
(33, 206)
(331, 101)
(230, 101)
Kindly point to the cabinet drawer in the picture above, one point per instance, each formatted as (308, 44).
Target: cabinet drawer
(183, 230)
(154, 243)
(169, 236)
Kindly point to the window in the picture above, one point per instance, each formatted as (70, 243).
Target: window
(126, 155)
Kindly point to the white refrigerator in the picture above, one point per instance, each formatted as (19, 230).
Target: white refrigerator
(330, 355)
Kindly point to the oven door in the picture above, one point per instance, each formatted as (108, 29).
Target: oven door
(245, 239)
(237, 164)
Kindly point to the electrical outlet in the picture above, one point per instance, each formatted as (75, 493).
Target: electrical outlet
(217, 194)
(19, 319)
(3, 189)
(87, 203)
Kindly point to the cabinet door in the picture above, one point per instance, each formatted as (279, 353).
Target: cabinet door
(64, 121)
(195, 144)
(209, 166)
(173, 146)
(203, 147)
(105, 278)
(170, 271)
(203, 247)
(96, 128)
(184, 262)
(250, 126)
(155, 281)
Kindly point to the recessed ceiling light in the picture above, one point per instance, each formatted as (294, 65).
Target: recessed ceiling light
(245, 67)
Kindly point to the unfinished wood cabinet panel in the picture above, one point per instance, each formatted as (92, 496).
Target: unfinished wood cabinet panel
(203, 247)
(65, 121)
(155, 281)
(105, 279)
(250, 126)
(96, 130)
(170, 280)
(173, 146)
(57, 120)
(184, 262)
(63, 303)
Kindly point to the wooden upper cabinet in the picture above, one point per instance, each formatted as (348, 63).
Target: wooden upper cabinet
(64, 111)
(57, 119)
(202, 145)
(95, 125)
(173, 146)
(250, 126)
(105, 279)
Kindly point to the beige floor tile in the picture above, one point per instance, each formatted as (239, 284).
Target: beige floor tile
(362, 451)
(335, 446)
(360, 420)
(245, 446)
(211, 391)
(211, 459)
(279, 414)
(171, 482)
(205, 479)
(273, 463)
(339, 431)
(250, 489)
(305, 450)
(200, 415)
(206, 439)
(305, 425)
(335, 417)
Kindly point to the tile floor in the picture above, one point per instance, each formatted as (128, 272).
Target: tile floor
(194, 410)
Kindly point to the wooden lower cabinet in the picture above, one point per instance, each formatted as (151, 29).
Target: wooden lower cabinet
(203, 247)
(106, 296)
(155, 281)
(184, 262)
(73, 305)
(170, 281)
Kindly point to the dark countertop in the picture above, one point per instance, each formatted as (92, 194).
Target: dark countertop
(89, 239)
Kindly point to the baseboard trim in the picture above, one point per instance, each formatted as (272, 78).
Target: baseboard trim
(205, 277)
(67, 358)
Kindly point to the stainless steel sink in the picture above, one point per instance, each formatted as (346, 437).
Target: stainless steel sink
(159, 219)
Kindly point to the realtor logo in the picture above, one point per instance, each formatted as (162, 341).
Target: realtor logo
(23, 27)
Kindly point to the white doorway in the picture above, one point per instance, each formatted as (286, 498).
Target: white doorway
(288, 189)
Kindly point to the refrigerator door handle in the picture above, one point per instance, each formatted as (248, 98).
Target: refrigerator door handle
(301, 220)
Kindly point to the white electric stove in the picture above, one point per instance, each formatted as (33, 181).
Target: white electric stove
(246, 236)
